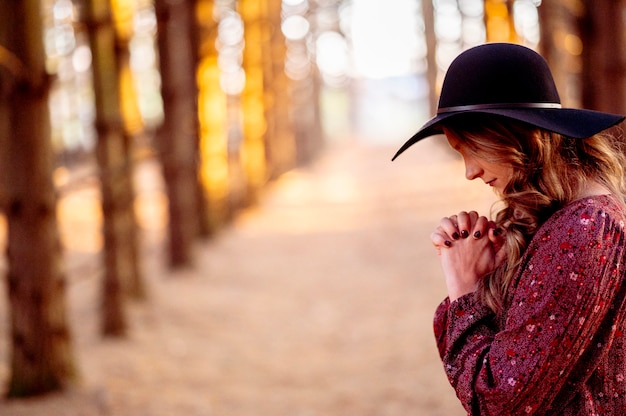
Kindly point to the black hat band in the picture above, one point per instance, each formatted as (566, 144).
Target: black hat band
(474, 107)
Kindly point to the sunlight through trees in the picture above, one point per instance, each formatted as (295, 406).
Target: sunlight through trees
(202, 104)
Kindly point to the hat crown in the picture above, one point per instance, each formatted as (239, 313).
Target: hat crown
(498, 73)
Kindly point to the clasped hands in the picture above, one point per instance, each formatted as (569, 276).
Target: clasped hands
(470, 246)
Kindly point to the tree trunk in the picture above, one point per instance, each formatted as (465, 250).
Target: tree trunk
(114, 160)
(215, 173)
(281, 151)
(133, 280)
(178, 136)
(499, 21)
(253, 149)
(203, 206)
(558, 30)
(601, 30)
(428, 14)
(305, 99)
(41, 355)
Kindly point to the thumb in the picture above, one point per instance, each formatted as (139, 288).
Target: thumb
(497, 238)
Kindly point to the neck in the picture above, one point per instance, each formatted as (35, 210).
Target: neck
(593, 188)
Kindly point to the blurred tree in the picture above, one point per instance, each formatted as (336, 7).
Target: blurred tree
(253, 149)
(215, 172)
(306, 90)
(281, 151)
(561, 46)
(178, 137)
(8, 66)
(123, 19)
(499, 21)
(115, 163)
(203, 214)
(428, 16)
(41, 356)
(603, 56)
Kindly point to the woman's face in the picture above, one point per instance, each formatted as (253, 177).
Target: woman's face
(493, 174)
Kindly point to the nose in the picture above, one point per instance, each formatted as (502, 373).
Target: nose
(473, 170)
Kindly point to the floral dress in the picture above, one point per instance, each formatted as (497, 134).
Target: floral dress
(558, 347)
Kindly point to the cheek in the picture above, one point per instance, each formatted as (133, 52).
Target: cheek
(507, 174)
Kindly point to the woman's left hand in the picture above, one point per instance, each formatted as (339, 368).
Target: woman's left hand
(469, 246)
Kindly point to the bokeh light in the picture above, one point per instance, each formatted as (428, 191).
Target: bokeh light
(527, 21)
(385, 40)
(295, 27)
(332, 57)
(342, 41)
(230, 44)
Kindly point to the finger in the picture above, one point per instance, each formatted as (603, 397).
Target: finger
(498, 240)
(440, 239)
(474, 216)
(496, 236)
(481, 227)
(449, 226)
(464, 222)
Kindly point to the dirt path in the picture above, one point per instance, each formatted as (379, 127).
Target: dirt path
(318, 302)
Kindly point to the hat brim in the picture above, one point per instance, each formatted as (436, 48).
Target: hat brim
(570, 122)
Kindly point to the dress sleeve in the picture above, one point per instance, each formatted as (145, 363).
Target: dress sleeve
(559, 298)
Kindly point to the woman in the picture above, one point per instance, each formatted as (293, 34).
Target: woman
(535, 318)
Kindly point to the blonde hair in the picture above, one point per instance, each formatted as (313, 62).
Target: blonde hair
(549, 171)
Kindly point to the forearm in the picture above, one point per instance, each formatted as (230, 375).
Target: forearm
(464, 332)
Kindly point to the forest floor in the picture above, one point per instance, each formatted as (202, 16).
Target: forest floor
(318, 301)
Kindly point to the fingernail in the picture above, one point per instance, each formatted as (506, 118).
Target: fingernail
(447, 243)
(464, 233)
(455, 235)
(477, 234)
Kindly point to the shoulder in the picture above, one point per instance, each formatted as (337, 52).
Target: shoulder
(588, 213)
(582, 222)
(579, 248)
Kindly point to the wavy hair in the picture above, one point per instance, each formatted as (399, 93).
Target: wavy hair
(549, 171)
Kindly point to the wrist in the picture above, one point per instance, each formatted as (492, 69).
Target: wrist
(458, 289)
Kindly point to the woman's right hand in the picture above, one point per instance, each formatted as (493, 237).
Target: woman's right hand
(470, 246)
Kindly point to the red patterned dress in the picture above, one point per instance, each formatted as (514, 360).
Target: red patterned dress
(558, 347)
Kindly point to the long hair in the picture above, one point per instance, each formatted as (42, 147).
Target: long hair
(549, 171)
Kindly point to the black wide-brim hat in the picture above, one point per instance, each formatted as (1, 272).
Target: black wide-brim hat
(512, 81)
